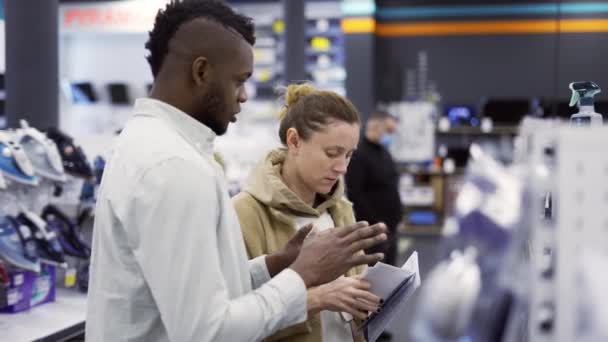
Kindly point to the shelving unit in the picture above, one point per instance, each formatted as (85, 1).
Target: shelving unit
(445, 185)
(425, 181)
(58, 321)
(324, 53)
(505, 130)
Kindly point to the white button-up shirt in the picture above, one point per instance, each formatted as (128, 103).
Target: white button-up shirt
(169, 261)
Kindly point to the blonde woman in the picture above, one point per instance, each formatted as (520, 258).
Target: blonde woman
(300, 184)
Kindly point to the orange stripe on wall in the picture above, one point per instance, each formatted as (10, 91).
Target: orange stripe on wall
(584, 25)
(491, 27)
(358, 25)
(466, 27)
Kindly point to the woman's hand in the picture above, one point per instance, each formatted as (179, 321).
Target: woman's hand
(345, 294)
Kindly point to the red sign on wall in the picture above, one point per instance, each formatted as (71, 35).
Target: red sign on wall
(129, 16)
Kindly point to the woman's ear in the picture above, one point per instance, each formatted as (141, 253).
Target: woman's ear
(293, 139)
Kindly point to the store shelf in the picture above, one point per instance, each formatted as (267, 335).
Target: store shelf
(332, 32)
(57, 321)
(330, 51)
(412, 231)
(477, 131)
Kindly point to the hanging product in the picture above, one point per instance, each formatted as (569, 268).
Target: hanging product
(69, 236)
(14, 163)
(11, 248)
(74, 160)
(48, 245)
(42, 152)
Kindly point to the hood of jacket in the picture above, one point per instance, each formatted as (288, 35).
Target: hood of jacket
(266, 185)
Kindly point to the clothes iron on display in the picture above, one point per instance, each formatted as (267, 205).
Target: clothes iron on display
(82, 275)
(75, 162)
(99, 165)
(67, 230)
(2, 182)
(14, 163)
(49, 248)
(28, 241)
(4, 278)
(5, 281)
(11, 248)
(41, 151)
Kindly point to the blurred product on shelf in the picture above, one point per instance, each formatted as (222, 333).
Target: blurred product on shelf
(12, 247)
(70, 237)
(14, 164)
(74, 159)
(467, 284)
(41, 151)
(41, 247)
(4, 278)
(49, 249)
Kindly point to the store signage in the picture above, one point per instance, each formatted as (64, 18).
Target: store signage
(127, 16)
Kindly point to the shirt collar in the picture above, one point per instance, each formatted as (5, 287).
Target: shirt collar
(197, 134)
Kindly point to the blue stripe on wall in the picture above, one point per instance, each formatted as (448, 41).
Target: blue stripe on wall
(490, 10)
(358, 8)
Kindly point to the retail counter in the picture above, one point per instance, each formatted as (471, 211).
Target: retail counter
(57, 321)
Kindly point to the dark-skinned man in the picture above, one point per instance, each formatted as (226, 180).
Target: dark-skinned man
(169, 261)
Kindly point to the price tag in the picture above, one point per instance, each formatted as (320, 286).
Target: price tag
(70, 277)
(18, 279)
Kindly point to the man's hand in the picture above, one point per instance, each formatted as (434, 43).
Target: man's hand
(281, 259)
(344, 294)
(329, 254)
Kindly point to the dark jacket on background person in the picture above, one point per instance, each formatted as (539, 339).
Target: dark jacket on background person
(372, 185)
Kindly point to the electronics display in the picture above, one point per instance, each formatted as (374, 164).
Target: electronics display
(462, 115)
(506, 112)
(119, 93)
(83, 92)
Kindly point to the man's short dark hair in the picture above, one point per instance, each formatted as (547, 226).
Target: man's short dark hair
(177, 13)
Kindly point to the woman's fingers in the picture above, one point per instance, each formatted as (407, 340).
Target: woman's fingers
(367, 305)
(349, 306)
(365, 295)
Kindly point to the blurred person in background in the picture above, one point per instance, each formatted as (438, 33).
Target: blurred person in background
(372, 181)
(300, 184)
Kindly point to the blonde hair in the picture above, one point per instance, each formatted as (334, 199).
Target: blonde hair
(308, 110)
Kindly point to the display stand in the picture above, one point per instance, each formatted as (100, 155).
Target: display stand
(58, 321)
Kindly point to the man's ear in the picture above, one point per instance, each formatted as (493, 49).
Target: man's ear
(200, 70)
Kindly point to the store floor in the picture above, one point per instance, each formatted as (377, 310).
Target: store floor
(428, 256)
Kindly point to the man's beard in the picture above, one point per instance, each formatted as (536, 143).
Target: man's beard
(213, 110)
